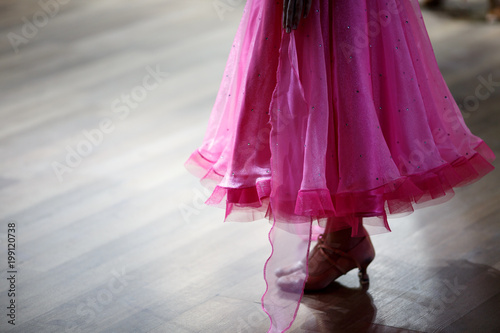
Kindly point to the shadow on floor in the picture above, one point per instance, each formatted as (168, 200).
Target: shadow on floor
(459, 296)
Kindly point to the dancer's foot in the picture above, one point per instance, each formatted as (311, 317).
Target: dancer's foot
(335, 254)
(329, 260)
(292, 283)
(287, 270)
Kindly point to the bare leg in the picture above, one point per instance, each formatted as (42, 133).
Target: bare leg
(341, 239)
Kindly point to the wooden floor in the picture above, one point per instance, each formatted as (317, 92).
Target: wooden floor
(116, 238)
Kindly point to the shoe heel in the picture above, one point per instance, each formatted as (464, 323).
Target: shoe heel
(366, 252)
(363, 277)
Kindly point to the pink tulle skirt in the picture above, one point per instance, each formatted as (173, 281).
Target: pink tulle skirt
(347, 116)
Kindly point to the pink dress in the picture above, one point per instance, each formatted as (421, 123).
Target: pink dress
(346, 116)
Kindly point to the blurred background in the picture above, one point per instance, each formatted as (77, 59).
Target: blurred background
(101, 102)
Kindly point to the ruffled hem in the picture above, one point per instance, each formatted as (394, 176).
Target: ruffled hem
(396, 198)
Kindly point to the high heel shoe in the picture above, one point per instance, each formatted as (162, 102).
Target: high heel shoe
(327, 263)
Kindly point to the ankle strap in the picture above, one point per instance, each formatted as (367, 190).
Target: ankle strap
(322, 247)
